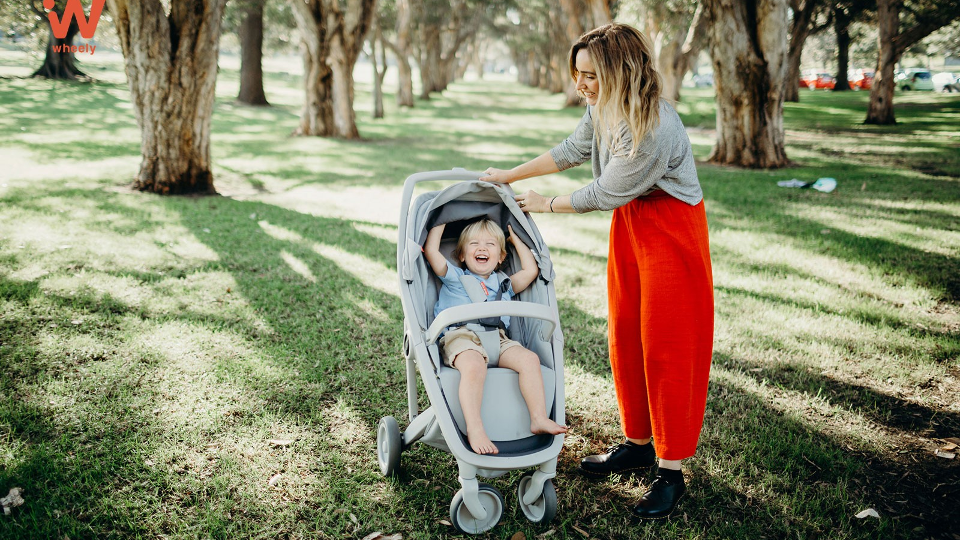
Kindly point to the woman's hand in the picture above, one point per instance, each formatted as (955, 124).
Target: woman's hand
(498, 176)
(532, 201)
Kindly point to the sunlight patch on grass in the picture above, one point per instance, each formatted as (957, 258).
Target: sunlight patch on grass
(772, 251)
(883, 226)
(356, 203)
(377, 231)
(592, 400)
(298, 266)
(280, 233)
(370, 272)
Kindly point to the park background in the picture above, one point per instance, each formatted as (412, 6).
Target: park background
(215, 366)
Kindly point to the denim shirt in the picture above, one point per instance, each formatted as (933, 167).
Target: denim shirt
(453, 294)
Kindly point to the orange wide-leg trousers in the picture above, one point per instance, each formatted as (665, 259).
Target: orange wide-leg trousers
(660, 293)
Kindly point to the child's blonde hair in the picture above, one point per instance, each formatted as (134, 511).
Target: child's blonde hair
(474, 229)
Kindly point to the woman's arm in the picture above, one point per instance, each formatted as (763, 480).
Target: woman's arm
(528, 264)
(537, 166)
(431, 250)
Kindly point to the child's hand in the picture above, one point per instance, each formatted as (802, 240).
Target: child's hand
(512, 237)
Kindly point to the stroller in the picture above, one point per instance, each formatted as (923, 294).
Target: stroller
(477, 507)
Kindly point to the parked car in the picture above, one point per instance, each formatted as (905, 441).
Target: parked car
(814, 80)
(860, 79)
(946, 82)
(915, 79)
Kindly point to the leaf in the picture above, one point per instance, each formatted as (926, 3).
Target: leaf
(445, 522)
(953, 440)
(274, 479)
(948, 447)
(12, 500)
(281, 442)
(581, 531)
(869, 512)
(945, 455)
(518, 536)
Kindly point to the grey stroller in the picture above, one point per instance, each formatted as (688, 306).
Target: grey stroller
(477, 507)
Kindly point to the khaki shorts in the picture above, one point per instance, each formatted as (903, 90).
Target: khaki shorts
(461, 339)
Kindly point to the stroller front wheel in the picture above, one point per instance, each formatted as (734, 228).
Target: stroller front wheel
(464, 521)
(389, 445)
(544, 508)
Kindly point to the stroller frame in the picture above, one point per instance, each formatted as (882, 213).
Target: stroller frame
(477, 507)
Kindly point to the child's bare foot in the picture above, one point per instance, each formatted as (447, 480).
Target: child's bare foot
(546, 425)
(480, 443)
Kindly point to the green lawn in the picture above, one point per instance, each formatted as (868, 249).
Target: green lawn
(215, 367)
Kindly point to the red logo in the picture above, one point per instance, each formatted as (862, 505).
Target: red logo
(74, 10)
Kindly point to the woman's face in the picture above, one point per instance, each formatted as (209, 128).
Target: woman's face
(587, 84)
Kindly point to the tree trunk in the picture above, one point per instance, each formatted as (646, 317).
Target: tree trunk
(402, 51)
(841, 27)
(349, 34)
(63, 64)
(316, 116)
(429, 59)
(251, 56)
(799, 32)
(377, 59)
(749, 50)
(171, 66)
(880, 110)
(574, 29)
(331, 41)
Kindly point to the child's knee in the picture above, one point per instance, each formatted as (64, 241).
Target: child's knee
(469, 361)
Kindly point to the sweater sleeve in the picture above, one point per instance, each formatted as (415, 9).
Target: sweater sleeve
(576, 148)
(624, 177)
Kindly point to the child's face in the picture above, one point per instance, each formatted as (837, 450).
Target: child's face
(482, 254)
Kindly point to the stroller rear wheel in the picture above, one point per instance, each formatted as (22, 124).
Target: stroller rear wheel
(464, 521)
(389, 445)
(544, 508)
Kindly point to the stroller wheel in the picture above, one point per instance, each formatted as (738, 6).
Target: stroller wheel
(544, 508)
(463, 521)
(389, 445)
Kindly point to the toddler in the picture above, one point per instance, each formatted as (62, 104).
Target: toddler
(481, 248)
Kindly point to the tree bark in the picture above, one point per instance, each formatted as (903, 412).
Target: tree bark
(841, 27)
(748, 41)
(251, 56)
(676, 57)
(800, 30)
(171, 66)
(331, 39)
(401, 49)
(377, 59)
(63, 64)
(880, 110)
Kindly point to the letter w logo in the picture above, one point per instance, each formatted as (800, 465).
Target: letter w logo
(74, 10)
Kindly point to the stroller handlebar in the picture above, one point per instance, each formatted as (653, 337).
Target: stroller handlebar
(469, 312)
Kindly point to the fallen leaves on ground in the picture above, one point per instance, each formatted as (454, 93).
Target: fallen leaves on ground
(12, 500)
(869, 512)
(380, 536)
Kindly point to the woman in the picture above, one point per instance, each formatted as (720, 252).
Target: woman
(659, 279)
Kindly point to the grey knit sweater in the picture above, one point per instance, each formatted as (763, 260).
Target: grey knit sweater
(664, 160)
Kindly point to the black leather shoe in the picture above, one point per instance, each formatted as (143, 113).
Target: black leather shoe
(623, 458)
(661, 499)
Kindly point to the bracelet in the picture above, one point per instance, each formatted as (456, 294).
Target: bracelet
(551, 203)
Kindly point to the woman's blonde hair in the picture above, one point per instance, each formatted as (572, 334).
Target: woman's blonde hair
(630, 86)
(474, 229)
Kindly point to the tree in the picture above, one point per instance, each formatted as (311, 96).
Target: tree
(59, 61)
(748, 44)
(332, 37)
(171, 66)
(400, 13)
(678, 31)
(920, 18)
(251, 53)
(377, 59)
(802, 26)
(845, 13)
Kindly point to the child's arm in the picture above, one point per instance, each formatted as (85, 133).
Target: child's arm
(528, 264)
(431, 251)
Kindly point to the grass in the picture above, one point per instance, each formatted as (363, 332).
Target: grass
(215, 367)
